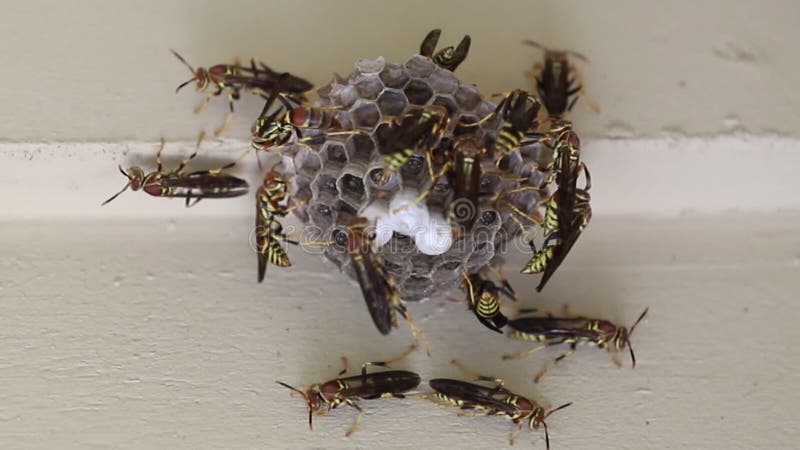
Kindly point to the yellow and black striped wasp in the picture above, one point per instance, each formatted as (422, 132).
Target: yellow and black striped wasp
(269, 231)
(483, 297)
(447, 58)
(377, 285)
(557, 82)
(571, 330)
(491, 401)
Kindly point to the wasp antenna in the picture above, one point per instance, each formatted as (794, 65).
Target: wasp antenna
(180, 58)
(123, 172)
(117, 194)
(291, 387)
(182, 85)
(534, 44)
(546, 436)
(633, 357)
(557, 409)
(577, 55)
(638, 320)
(310, 420)
(310, 425)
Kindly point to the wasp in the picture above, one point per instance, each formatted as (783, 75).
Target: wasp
(279, 127)
(304, 116)
(568, 211)
(572, 330)
(377, 285)
(322, 398)
(558, 83)
(193, 186)
(269, 232)
(258, 78)
(518, 110)
(483, 296)
(462, 163)
(447, 58)
(419, 129)
(489, 401)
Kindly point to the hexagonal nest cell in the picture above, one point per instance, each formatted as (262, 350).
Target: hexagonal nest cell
(339, 176)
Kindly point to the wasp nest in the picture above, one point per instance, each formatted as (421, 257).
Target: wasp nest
(335, 176)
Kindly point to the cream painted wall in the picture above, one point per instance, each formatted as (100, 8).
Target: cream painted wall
(140, 325)
(101, 71)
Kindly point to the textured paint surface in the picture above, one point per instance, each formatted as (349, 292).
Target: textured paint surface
(140, 325)
(683, 67)
(664, 177)
(156, 335)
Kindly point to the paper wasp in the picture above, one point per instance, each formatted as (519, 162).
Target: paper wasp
(258, 78)
(571, 330)
(193, 186)
(483, 296)
(462, 163)
(280, 126)
(568, 211)
(518, 110)
(377, 285)
(269, 232)
(447, 58)
(556, 81)
(323, 397)
(488, 401)
(419, 129)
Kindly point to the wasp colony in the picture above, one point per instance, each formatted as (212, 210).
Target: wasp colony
(414, 183)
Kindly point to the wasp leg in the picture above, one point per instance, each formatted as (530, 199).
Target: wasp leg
(582, 92)
(416, 332)
(184, 162)
(344, 366)
(159, 164)
(228, 116)
(514, 434)
(353, 428)
(613, 359)
(522, 354)
(399, 357)
(475, 376)
(553, 363)
(199, 108)
(196, 201)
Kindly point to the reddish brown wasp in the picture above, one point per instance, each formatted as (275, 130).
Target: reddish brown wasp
(258, 78)
(377, 285)
(573, 331)
(323, 397)
(557, 82)
(490, 401)
(193, 186)
(447, 58)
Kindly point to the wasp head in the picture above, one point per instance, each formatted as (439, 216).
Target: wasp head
(135, 177)
(311, 397)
